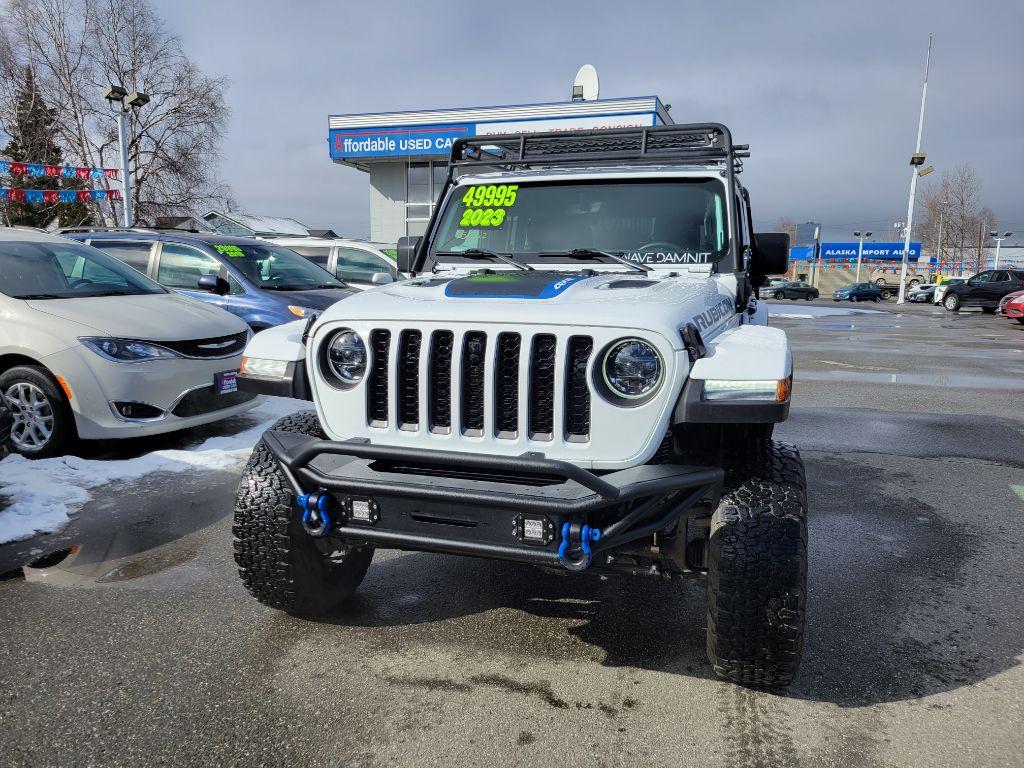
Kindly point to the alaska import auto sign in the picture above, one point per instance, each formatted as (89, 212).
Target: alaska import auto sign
(888, 251)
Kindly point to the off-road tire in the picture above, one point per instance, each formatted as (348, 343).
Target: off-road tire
(757, 574)
(280, 564)
(64, 434)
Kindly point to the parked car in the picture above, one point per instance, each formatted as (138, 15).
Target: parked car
(262, 283)
(795, 290)
(942, 287)
(359, 263)
(889, 277)
(921, 293)
(92, 349)
(1012, 306)
(768, 289)
(984, 290)
(858, 292)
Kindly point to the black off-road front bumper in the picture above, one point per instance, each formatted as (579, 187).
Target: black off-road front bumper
(524, 508)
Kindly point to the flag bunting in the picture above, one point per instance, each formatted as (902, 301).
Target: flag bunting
(57, 195)
(57, 171)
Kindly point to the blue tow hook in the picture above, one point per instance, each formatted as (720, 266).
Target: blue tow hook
(586, 536)
(315, 508)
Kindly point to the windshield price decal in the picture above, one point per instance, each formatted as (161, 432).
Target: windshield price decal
(232, 251)
(485, 206)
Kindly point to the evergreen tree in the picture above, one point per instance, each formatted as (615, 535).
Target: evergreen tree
(34, 140)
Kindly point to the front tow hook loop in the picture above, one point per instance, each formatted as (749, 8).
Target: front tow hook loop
(573, 533)
(316, 519)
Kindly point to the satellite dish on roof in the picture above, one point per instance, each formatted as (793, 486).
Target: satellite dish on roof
(586, 86)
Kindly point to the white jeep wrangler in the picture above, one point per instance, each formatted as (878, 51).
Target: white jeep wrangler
(579, 375)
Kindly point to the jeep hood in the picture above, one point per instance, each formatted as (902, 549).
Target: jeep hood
(619, 300)
(152, 317)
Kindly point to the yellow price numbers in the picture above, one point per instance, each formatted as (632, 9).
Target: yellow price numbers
(486, 205)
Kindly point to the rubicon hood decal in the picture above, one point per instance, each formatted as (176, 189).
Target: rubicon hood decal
(511, 285)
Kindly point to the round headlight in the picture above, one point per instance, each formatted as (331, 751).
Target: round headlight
(632, 368)
(346, 357)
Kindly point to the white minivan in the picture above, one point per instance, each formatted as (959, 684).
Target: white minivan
(360, 264)
(92, 349)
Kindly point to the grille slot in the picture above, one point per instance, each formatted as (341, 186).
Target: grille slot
(542, 387)
(440, 381)
(506, 386)
(577, 392)
(222, 346)
(409, 379)
(377, 383)
(474, 355)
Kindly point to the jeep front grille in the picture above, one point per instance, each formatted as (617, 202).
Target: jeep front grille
(500, 385)
(377, 384)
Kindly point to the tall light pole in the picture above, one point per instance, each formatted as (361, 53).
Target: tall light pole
(999, 241)
(860, 249)
(123, 102)
(916, 159)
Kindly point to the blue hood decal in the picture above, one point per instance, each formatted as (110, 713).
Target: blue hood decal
(511, 285)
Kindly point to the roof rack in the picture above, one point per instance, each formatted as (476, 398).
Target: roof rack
(71, 230)
(708, 143)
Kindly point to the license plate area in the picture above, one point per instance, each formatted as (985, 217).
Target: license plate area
(226, 382)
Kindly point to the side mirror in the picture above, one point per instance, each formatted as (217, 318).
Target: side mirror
(406, 253)
(771, 254)
(381, 278)
(214, 284)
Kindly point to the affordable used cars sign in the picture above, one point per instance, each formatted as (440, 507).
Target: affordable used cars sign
(397, 141)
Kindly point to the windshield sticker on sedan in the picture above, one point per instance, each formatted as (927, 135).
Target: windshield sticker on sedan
(485, 206)
(232, 251)
(669, 257)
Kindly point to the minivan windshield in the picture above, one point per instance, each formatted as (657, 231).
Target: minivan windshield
(34, 269)
(670, 223)
(275, 268)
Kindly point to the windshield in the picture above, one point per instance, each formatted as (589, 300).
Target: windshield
(276, 268)
(54, 270)
(683, 221)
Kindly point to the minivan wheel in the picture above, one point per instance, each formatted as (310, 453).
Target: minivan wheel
(951, 303)
(43, 423)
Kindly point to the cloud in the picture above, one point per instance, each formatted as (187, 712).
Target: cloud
(826, 94)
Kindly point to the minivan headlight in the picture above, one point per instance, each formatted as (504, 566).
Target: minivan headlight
(343, 360)
(126, 350)
(631, 368)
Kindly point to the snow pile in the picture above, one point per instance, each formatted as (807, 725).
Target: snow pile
(813, 311)
(42, 493)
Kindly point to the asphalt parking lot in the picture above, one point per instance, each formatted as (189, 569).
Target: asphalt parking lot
(143, 647)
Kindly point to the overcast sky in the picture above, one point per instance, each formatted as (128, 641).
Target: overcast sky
(826, 94)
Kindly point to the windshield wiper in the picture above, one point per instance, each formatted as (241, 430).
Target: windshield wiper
(490, 254)
(31, 296)
(578, 253)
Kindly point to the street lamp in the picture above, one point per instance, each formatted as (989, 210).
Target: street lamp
(999, 241)
(860, 249)
(916, 169)
(124, 102)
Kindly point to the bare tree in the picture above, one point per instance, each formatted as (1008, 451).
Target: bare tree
(787, 225)
(955, 202)
(76, 47)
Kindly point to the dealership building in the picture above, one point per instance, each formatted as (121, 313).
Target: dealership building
(406, 153)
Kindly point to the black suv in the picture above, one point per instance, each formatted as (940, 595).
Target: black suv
(795, 290)
(984, 290)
